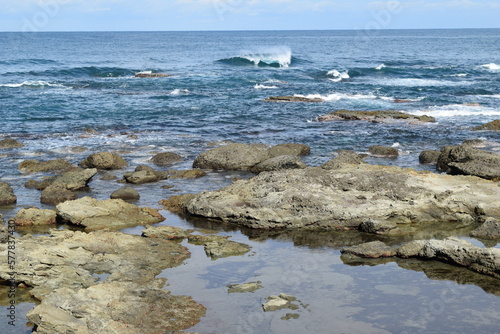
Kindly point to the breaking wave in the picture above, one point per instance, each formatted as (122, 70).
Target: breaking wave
(33, 84)
(491, 67)
(338, 76)
(270, 57)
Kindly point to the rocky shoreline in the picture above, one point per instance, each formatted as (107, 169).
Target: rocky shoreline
(64, 270)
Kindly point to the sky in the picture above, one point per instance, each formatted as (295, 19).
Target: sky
(194, 15)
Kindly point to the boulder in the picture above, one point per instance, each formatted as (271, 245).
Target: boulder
(9, 143)
(55, 195)
(383, 151)
(104, 160)
(279, 162)
(492, 126)
(166, 159)
(382, 116)
(466, 160)
(232, 157)
(490, 229)
(35, 216)
(7, 196)
(293, 99)
(344, 157)
(315, 198)
(74, 179)
(126, 194)
(289, 149)
(35, 166)
(429, 157)
(145, 174)
(111, 214)
(186, 174)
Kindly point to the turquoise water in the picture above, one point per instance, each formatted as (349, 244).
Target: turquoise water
(53, 86)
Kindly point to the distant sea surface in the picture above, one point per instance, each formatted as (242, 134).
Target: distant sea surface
(59, 91)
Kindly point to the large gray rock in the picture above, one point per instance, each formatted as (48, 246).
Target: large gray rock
(7, 196)
(126, 194)
(279, 162)
(232, 157)
(104, 160)
(451, 250)
(429, 157)
(73, 179)
(346, 197)
(466, 160)
(110, 214)
(35, 166)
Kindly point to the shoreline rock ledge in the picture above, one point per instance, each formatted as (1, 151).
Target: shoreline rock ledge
(388, 199)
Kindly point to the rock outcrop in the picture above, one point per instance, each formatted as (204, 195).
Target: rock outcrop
(108, 214)
(489, 229)
(232, 157)
(186, 174)
(289, 149)
(166, 159)
(383, 116)
(383, 151)
(7, 196)
(145, 174)
(35, 166)
(466, 160)
(104, 160)
(429, 157)
(293, 99)
(344, 198)
(492, 126)
(279, 162)
(9, 143)
(344, 157)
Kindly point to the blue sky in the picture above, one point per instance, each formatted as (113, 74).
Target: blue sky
(166, 15)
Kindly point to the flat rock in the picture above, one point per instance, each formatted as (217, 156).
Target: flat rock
(382, 116)
(293, 99)
(492, 126)
(7, 196)
(35, 166)
(35, 216)
(9, 143)
(149, 74)
(104, 160)
(110, 214)
(490, 229)
(166, 232)
(245, 287)
(279, 162)
(232, 157)
(466, 160)
(166, 159)
(282, 301)
(217, 247)
(316, 198)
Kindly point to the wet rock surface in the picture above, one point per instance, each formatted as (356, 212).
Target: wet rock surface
(109, 214)
(383, 151)
(186, 174)
(217, 247)
(279, 163)
(126, 194)
(386, 116)
(316, 198)
(490, 229)
(244, 287)
(104, 160)
(429, 157)
(279, 302)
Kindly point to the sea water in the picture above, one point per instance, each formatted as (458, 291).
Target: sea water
(56, 86)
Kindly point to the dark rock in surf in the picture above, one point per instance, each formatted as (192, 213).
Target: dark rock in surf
(55, 195)
(186, 174)
(35, 166)
(148, 74)
(145, 174)
(466, 160)
(9, 143)
(126, 194)
(492, 126)
(382, 116)
(104, 160)
(383, 151)
(429, 157)
(166, 159)
(293, 99)
(7, 196)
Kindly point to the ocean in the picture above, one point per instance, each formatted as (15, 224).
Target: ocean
(64, 90)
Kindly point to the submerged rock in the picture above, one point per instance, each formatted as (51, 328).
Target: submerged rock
(166, 159)
(383, 151)
(217, 247)
(466, 160)
(293, 99)
(35, 216)
(279, 162)
(104, 160)
(232, 157)
(382, 116)
(316, 198)
(110, 214)
(490, 229)
(126, 194)
(492, 126)
(35, 166)
(7, 196)
(429, 157)
(451, 250)
(282, 301)
(150, 74)
(245, 287)
(9, 143)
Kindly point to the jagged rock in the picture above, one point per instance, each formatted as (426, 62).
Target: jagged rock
(104, 160)
(145, 174)
(166, 159)
(218, 247)
(186, 174)
(177, 204)
(245, 287)
(451, 250)
(429, 157)
(73, 179)
(7, 196)
(109, 214)
(166, 232)
(35, 166)
(279, 162)
(126, 194)
(466, 160)
(344, 157)
(232, 157)
(289, 149)
(9, 143)
(383, 151)
(316, 198)
(293, 99)
(490, 229)
(383, 116)
(35, 216)
(492, 126)
(55, 195)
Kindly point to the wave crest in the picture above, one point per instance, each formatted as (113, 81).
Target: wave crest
(33, 84)
(491, 67)
(337, 75)
(269, 57)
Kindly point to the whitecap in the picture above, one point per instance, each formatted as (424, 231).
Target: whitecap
(33, 84)
(414, 82)
(491, 67)
(342, 96)
(178, 91)
(454, 110)
(281, 56)
(381, 66)
(338, 76)
(264, 87)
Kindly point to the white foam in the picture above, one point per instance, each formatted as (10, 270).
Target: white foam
(178, 91)
(459, 75)
(144, 73)
(272, 55)
(338, 76)
(491, 67)
(33, 84)
(264, 87)
(342, 96)
(381, 66)
(414, 82)
(454, 110)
